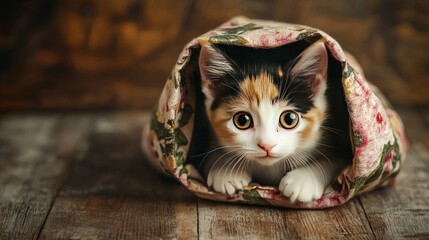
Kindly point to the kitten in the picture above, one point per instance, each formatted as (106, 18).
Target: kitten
(267, 117)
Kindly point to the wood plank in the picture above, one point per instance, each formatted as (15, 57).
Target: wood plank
(36, 151)
(415, 125)
(231, 221)
(113, 193)
(402, 211)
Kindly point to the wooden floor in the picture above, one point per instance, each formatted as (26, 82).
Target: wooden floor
(81, 175)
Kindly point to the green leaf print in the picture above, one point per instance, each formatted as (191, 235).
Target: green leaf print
(180, 138)
(170, 148)
(157, 127)
(179, 158)
(397, 154)
(357, 139)
(182, 60)
(231, 35)
(375, 175)
(227, 39)
(349, 71)
(177, 82)
(240, 29)
(379, 170)
(252, 196)
(186, 115)
(171, 123)
(359, 181)
(173, 136)
(306, 34)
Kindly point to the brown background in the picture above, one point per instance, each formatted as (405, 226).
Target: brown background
(83, 54)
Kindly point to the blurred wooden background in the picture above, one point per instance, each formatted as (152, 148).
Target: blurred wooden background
(87, 54)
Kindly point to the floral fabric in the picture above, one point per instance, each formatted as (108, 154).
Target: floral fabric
(377, 136)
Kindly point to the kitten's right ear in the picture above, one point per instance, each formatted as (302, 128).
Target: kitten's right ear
(312, 67)
(213, 67)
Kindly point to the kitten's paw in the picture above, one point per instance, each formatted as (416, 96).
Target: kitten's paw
(227, 182)
(304, 184)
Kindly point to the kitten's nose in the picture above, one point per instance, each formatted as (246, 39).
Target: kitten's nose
(266, 147)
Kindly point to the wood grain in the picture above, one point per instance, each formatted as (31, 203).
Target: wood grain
(227, 221)
(35, 155)
(112, 193)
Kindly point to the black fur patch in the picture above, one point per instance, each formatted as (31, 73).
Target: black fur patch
(249, 62)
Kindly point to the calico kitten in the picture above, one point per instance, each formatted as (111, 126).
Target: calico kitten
(267, 118)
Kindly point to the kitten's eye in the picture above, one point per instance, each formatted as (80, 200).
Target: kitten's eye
(243, 120)
(289, 119)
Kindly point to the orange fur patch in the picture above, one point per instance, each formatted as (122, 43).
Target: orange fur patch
(255, 90)
(280, 72)
(218, 119)
(314, 117)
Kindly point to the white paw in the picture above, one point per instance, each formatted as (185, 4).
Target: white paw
(304, 184)
(227, 182)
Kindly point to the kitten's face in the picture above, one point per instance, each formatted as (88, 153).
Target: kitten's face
(270, 113)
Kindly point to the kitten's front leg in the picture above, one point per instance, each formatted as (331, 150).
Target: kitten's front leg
(304, 184)
(308, 183)
(228, 181)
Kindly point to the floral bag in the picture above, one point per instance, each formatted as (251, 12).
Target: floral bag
(377, 137)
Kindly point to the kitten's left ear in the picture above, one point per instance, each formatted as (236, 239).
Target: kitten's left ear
(214, 65)
(312, 67)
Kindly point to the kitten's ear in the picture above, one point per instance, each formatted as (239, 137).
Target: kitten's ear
(312, 67)
(213, 67)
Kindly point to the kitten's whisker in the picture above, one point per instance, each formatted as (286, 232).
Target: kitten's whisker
(232, 163)
(243, 165)
(317, 164)
(297, 159)
(233, 88)
(239, 159)
(322, 170)
(330, 162)
(334, 131)
(283, 164)
(217, 160)
(329, 146)
(228, 163)
(214, 150)
(293, 162)
(223, 165)
(240, 168)
(248, 149)
(292, 91)
(287, 164)
(311, 163)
